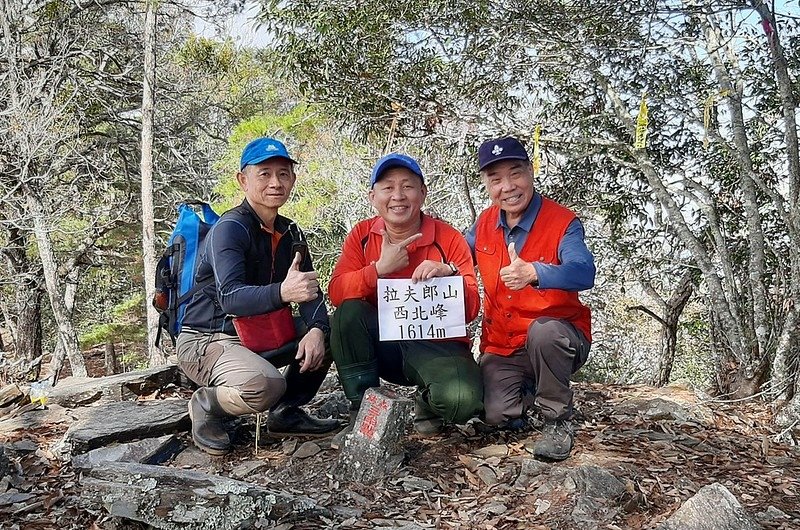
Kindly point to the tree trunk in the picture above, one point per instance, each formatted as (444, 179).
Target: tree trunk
(28, 339)
(26, 315)
(70, 290)
(669, 330)
(785, 377)
(156, 355)
(66, 331)
(112, 364)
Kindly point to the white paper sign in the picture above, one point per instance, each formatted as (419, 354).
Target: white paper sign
(433, 309)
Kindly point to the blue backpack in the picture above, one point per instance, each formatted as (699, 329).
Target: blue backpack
(176, 269)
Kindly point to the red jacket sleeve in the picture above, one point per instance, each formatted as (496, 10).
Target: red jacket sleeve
(461, 256)
(353, 276)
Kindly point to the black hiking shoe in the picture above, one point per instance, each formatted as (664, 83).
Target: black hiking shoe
(556, 441)
(294, 421)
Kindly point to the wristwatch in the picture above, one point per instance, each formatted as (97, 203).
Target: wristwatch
(453, 268)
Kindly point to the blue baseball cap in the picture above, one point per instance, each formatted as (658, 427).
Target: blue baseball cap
(492, 151)
(394, 160)
(262, 149)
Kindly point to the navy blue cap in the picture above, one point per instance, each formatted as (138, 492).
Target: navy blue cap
(394, 160)
(492, 151)
(262, 149)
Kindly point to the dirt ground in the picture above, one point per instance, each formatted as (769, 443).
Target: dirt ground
(466, 478)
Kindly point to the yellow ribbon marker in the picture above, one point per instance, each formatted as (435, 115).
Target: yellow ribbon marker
(709, 104)
(396, 107)
(537, 157)
(640, 142)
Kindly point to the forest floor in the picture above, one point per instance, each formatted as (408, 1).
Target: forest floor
(471, 476)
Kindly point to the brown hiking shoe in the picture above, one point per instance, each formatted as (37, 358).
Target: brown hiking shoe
(556, 441)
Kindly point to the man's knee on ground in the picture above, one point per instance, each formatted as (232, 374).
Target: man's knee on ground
(544, 331)
(494, 413)
(261, 392)
(456, 402)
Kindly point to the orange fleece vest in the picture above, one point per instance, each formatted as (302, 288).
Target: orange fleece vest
(507, 314)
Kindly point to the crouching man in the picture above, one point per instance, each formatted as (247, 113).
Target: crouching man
(248, 254)
(533, 260)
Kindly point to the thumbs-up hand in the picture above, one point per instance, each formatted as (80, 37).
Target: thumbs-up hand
(299, 286)
(394, 256)
(519, 273)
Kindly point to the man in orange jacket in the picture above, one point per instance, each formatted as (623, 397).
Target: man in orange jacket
(533, 260)
(402, 242)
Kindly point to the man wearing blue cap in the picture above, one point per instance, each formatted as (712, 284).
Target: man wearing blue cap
(249, 268)
(402, 242)
(533, 260)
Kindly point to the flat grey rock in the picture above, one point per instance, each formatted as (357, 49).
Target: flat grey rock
(147, 451)
(711, 508)
(9, 395)
(247, 468)
(663, 408)
(75, 391)
(39, 417)
(591, 481)
(170, 498)
(307, 449)
(123, 421)
(193, 457)
(491, 450)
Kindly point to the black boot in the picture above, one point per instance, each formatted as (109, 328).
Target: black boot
(207, 417)
(426, 421)
(288, 421)
(337, 442)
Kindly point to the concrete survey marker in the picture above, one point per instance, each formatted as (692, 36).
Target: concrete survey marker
(373, 449)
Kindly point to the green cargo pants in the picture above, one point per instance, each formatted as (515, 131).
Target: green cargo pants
(445, 373)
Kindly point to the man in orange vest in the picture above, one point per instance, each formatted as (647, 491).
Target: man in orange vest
(533, 260)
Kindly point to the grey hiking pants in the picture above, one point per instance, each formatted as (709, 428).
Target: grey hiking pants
(537, 374)
(248, 382)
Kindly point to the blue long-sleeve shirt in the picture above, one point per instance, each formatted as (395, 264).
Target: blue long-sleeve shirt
(576, 271)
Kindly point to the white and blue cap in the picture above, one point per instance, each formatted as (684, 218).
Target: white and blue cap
(394, 160)
(262, 149)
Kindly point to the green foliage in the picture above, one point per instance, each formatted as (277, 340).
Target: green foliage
(114, 332)
(125, 324)
(207, 55)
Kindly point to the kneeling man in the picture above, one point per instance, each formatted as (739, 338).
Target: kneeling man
(536, 333)
(402, 242)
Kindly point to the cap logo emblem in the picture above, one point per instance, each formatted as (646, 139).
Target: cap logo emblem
(497, 150)
(271, 147)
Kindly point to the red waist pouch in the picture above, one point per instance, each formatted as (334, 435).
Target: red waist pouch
(266, 332)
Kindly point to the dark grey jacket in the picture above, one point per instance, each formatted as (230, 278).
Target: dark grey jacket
(247, 277)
